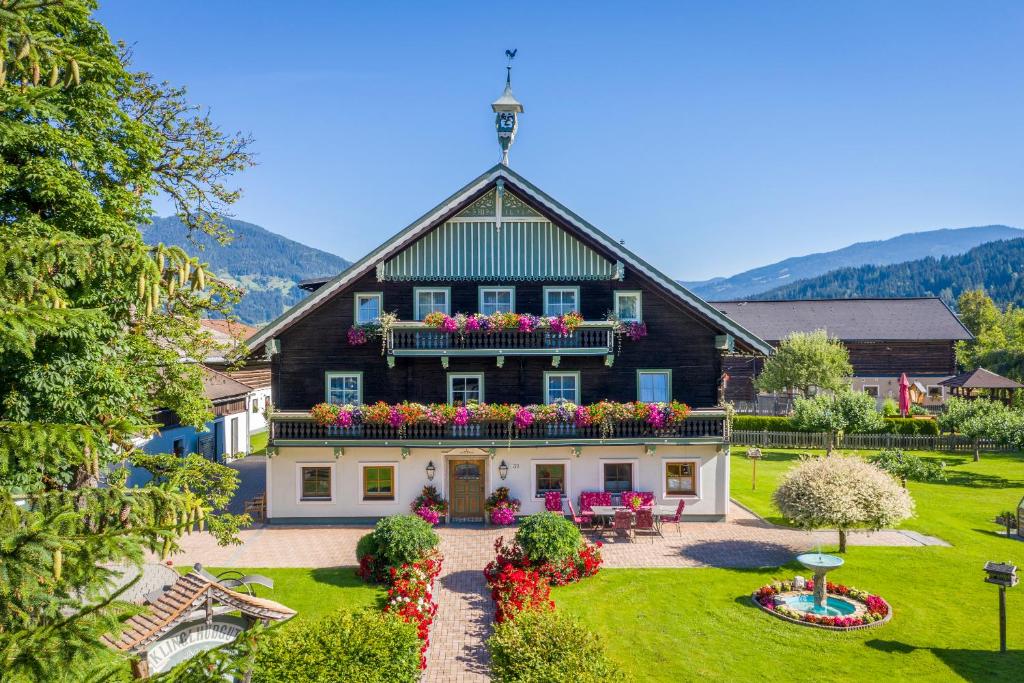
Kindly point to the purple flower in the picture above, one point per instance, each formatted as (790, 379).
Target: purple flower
(345, 418)
(395, 418)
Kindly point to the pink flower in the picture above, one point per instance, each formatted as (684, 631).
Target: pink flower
(472, 323)
(395, 417)
(344, 418)
(449, 324)
(461, 416)
(524, 418)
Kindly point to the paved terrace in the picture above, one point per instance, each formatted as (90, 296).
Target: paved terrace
(465, 611)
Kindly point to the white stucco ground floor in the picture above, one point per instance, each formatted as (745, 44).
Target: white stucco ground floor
(329, 485)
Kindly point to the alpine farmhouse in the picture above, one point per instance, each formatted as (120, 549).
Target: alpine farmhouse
(498, 245)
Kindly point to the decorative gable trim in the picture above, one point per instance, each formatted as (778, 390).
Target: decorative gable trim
(447, 208)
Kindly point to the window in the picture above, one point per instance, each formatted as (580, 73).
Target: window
(561, 300)
(344, 387)
(255, 405)
(561, 386)
(315, 482)
(464, 389)
(179, 447)
(654, 386)
(934, 392)
(617, 476)
(430, 301)
(548, 477)
(680, 478)
(497, 300)
(628, 306)
(368, 305)
(871, 390)
(378, 482)
(234, 436)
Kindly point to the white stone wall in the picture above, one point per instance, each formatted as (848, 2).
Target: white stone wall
(584, 474)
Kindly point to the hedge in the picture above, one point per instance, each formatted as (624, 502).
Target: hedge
(893, 425)
(366, 646)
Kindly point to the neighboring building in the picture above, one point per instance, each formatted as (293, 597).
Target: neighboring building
(497, 244)
(255, 375)
(885, 337)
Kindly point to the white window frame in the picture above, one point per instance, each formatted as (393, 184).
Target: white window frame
(574, 290)
(561, 373)
(639, 304)
(511, 295)
(928, 392)
(379, 296)
(696, 495)
(876, 387)
(617, 461)
(393, 464)
(416, 291)
(465, 375)
(654, 371)
(298, 482)
(330, 374)
(567, 492)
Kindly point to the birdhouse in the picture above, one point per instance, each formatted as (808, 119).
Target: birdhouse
(1001, 574)
(754, 453)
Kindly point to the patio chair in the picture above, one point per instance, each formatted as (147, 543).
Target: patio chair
(579, 520)
(622, 524)
(256, 508)
(645, 523)
(677, 518)
(590, 498)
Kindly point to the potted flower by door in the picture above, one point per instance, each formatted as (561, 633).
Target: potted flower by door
(501, 507)
(430, 505)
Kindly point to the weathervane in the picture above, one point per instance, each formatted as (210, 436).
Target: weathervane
(507, 109)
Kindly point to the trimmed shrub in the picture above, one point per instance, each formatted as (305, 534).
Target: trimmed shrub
(910, 426)
(365, 646)
(402, 539)
(548, 537)
(542, 646)
(761, 423)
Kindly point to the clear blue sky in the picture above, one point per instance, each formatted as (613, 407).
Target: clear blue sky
(712, 136)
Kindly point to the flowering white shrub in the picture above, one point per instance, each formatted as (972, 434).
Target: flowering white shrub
(841, 492)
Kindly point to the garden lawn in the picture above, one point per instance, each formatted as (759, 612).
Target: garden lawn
(693, 624)
(258, 443)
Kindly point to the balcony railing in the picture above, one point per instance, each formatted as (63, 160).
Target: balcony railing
(704, 425)
(595, 338)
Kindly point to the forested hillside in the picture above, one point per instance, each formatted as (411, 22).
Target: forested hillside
(995, 267)
(266, 265)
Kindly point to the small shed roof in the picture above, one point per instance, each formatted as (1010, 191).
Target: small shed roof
(219, 387)
(916, 319)
(981, 379)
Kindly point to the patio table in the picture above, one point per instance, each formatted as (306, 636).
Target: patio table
(606, 512)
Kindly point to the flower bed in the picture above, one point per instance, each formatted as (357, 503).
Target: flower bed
(871, 610)
(501, 507)
(658, 415)
(461, 323)
(410, 596)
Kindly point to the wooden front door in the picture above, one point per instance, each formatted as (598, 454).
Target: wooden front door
(466, 484)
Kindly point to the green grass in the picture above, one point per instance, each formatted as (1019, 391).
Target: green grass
(258, 443)
(692, 624)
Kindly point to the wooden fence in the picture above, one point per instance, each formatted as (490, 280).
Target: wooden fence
(945, 442)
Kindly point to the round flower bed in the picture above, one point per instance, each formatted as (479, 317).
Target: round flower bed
(869, 610)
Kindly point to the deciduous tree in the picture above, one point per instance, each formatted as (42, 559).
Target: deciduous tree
(805, 360)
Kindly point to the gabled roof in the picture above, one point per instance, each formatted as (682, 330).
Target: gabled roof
(981, 379)
(916, 319)
(524, 188)
(218, 387)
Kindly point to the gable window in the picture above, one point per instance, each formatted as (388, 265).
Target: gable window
(549, 476)
(561, 300)
(315, 482)
(561, 386)
(428, 300)
(628, 306)
(680, 478)
(464, 389)
(497, 300)
(368, 307)
(378, 482)
(654, 386)
(617, 476)
(344, 388)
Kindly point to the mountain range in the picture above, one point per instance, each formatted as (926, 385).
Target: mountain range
(906, 247)
(267, 266)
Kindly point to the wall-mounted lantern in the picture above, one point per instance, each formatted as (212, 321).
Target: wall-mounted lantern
(503, 470)
(431, 470)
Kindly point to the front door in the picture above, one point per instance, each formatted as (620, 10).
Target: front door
(466, 484)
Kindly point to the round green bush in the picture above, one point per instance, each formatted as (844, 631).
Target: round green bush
(548, 646)
(366, 646)
(367, 545)
(401, 539)
(548, 537)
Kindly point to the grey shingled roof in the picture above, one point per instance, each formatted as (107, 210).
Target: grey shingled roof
(981, 379)
(915, 319)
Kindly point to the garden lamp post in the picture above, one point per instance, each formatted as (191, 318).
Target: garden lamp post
(1003, 575)
(754, 454)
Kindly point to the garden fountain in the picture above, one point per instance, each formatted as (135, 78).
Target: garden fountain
(821, 564)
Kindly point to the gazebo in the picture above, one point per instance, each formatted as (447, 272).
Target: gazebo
(995, 386)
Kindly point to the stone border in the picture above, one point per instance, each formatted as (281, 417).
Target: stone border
(883, 620)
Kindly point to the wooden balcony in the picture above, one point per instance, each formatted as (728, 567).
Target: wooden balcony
(417, 339)
(708, 425)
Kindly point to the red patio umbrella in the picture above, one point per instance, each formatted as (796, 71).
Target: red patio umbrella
(904, 395)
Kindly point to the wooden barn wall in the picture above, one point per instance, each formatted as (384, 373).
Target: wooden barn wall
(884, 358)
(742, 370)
(676, 339)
